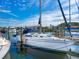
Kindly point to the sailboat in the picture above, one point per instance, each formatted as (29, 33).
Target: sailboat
(51, 43)
(40, 35)
(4, 47)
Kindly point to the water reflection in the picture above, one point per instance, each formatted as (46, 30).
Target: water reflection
(16, 53)
(38, 54)
(28, 53)
(7, 56)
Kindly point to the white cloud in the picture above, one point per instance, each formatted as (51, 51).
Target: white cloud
(66, 4)
(54, 17)
(29, 5)
(8, 12)
(9, 22)
(1, 10)
(12, 14)
(45, 3)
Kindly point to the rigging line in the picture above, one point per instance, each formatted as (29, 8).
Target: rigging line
(77, 4)
(69, 15)
(77, 7)
(68, 26)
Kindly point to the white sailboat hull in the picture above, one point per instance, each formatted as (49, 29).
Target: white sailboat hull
(4, 48)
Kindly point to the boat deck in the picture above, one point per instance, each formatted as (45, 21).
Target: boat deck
(54, 45)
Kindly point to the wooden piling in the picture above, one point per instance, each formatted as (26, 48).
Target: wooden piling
(21, 38)
(8, 33)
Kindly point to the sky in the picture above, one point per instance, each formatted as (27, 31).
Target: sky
(26, 12)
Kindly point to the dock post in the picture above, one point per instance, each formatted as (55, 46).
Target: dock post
(8, 33)
(70, 52)
(21, 37)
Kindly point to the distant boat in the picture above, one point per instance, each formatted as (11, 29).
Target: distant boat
(14, 32)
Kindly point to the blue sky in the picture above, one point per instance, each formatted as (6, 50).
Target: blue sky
(26, 12)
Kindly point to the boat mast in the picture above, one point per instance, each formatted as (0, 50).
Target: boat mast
(77, 6)
(68, 26)
(69, 13)
(40, 10)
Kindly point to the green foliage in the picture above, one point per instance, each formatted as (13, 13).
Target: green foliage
(72, 24)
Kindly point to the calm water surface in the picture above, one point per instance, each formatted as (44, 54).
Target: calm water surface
(29, 53)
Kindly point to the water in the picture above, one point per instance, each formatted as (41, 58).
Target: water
(31, 53)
